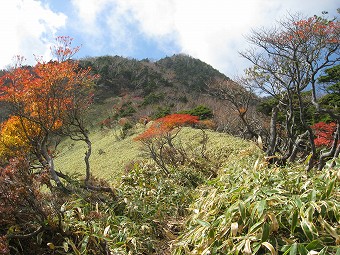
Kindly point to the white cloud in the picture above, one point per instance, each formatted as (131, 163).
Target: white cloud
(27, 27)
(212, 30)
(88, 12)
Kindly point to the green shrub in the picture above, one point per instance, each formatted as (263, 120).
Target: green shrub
(127, 110)
(203, 112)
(153, 98)
(161, 112)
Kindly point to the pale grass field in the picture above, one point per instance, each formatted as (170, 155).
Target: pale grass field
(110, 155)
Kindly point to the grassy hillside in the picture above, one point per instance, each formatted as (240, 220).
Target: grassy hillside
(112, 153)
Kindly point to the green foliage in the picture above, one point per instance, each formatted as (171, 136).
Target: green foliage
(202, 111)
(266, 105)
(161, 112)
(259, 210)
(118, 74)
(153, 98)
(332, 80)
(126, 110)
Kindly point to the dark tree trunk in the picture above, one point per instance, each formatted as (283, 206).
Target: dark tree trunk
(273, 133)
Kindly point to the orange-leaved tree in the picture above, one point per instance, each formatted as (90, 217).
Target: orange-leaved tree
(158, 139)
(47, 99)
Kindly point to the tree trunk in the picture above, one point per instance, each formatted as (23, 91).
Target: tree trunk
(47, 161)
(272, 135)
(87, 160)
(88, 168)
(296, 146)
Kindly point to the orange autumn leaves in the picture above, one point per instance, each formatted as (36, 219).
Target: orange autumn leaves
(41, 97)
(312, 29)
(44, 92)
(163, 126)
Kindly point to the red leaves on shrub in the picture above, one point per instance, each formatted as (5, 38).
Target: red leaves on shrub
(165, 125)
(324, 133)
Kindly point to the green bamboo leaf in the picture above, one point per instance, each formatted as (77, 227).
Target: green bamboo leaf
(312, 195)
(314, 245)
(337, 251)
(74, 248)
(257, 246)
(294, 221)
(298, 202)
(329, 229)
(255, 227)
(84, 243)
(316, 206)
(265, 232)
(203, 223)
(302, 249)
(309, 213)
(261, 205)
(293, 249)
(285, 249)
(323, 251)
(330, 188)
(242, 210)
(307, 229)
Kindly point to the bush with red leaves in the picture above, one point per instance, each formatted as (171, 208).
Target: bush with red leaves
(163, 126)
(324, 133)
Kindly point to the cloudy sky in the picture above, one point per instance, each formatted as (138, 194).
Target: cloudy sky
(211, 30)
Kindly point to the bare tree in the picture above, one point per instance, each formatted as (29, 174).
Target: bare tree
(242, 100)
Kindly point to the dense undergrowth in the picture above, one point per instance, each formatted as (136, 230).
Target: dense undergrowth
(249, 208)
(265, 210)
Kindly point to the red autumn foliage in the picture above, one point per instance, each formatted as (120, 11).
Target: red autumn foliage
(324, 133)
(165, 125)
(313, 28)
(63, 50)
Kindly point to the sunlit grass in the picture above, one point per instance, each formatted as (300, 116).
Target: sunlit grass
(110, 153)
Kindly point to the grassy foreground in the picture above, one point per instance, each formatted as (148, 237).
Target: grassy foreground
(249, 208)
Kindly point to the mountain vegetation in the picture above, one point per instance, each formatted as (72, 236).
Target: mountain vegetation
(109, 155)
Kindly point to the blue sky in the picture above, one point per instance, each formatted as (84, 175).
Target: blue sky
(211, 30)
